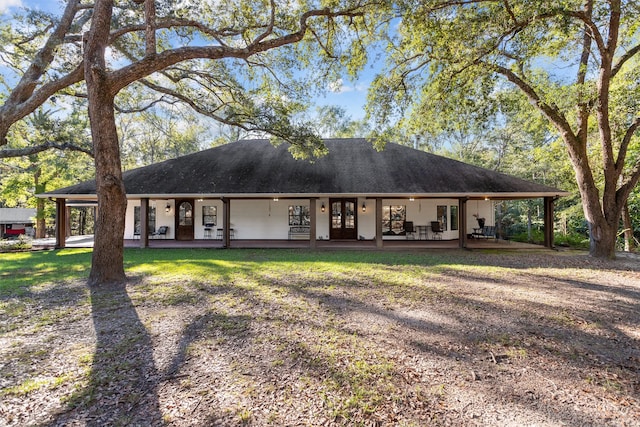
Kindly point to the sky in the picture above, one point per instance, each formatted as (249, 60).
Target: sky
(350, 95)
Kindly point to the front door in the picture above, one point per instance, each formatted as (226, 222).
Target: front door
(344, 220)
(184, 219)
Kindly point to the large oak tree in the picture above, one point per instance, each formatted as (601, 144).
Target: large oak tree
(576, 61)
(187, 51)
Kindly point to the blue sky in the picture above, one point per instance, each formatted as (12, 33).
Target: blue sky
(351, 95)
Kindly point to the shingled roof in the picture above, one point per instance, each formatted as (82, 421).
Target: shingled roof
(255, 168)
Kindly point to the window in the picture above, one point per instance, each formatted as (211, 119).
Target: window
(136, 219)
(185, 214)
(393, 218)
(299, 215)
(209, 215)
(442, 216)
(453, 211)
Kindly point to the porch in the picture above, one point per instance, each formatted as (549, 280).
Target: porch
(87, 242)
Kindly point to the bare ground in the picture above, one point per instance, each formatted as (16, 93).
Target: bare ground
(507, 339)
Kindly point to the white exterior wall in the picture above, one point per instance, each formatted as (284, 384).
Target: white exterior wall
(482, 208)
(269, 219)
(128, 219)
(262, 219)
(422, 212)
(366, 220)
(198, 222)
(322, 219)
(162, 217)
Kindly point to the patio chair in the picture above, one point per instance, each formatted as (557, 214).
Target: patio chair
(409, 230)
(162, 231)
(436, 230)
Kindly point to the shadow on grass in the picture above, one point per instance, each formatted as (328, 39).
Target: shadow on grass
(122, 385)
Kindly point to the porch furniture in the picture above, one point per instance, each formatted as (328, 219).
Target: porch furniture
(486, 232)
(409, 230)
(208, 231)
(301, 232)
(220, 233)
(436, 230)
(422, 231)
(162, 231)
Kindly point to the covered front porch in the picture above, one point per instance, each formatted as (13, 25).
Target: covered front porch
(86, 241)
(318, 222)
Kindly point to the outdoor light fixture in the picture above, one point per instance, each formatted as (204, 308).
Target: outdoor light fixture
(167, 208)
(322, 207)
(275, 199)
(411, 199)
(364, 207)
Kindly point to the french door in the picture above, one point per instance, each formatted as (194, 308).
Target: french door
(184, 219)
(344, 219)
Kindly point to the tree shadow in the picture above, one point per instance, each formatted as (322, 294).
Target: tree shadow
(123, 381)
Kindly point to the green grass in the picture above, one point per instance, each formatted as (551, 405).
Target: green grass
(273, 314)
(21, 271)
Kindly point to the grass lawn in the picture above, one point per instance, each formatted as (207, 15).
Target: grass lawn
(285, 337)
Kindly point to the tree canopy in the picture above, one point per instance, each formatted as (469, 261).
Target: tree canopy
(576, 62)
(232, 61)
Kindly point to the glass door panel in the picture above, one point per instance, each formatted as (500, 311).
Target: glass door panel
(344, 219)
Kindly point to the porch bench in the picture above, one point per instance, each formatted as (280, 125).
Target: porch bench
(299, 232)
(486, 232)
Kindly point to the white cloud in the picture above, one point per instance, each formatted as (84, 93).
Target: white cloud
(338, 86)
(6, 4)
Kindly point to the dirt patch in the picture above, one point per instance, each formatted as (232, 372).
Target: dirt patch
(435, 338)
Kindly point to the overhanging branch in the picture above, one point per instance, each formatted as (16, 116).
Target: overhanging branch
(21, 152)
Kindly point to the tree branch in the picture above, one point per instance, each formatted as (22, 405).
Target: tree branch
(150, 27)
(624, 145)
(189, 102)
(9, 114)
(583, 105)
(624, 58)
(24, 98)
(267, 32)
(551, 112)
(148, 65)
(21, 152)
(43, 57)
(144, 108)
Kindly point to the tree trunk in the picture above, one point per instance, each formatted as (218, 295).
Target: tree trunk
(602, 240)
(41, 223)
(108, 251)
(629, 243)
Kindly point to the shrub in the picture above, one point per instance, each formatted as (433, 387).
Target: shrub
(22, 243)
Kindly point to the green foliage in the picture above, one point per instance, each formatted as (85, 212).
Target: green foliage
(21, 244)
(476, 78)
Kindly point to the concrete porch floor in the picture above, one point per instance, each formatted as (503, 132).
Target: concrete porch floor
(87, 242)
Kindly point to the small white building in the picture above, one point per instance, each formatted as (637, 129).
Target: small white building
(252, 190)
